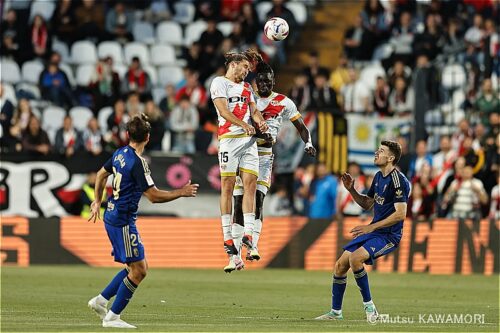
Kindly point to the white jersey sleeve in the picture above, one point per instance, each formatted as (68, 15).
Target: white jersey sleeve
(290, 112)
(218, 88)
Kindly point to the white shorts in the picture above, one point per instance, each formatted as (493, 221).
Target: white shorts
(266, 158)
(238, 154)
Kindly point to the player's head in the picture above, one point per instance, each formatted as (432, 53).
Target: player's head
(264, 79)
(389, 152)
(138, 129)
(239, 64)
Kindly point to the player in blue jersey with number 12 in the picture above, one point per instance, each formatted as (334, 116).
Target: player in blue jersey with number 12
(388, 194)
(131, 178)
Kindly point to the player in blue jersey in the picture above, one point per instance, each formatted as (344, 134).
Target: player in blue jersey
(131, 178)
(388, 194)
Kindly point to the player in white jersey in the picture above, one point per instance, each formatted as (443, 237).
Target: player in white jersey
(235, 104)
(274, 108)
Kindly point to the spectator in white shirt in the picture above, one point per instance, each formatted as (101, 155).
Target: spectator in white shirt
(184, 121)
(92, 137)
(357, 96)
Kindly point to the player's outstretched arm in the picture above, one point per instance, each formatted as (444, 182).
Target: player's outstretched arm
(363, 200)
(398, 215)
(305, 135)
(100, 184)
(159, 196)
(221, 105)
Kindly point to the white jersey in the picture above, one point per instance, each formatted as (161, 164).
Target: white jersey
(275, 109)
(239, 96)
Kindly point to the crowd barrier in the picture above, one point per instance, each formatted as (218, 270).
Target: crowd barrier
(437, 247)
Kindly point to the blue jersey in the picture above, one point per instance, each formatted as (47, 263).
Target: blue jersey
(131, 177)
(386, 191)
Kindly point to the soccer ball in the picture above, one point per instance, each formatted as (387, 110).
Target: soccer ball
(276, 29)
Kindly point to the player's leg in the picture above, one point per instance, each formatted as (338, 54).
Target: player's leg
(357, 260)
(249, 171)
(235, 262)
(100, 303)
(249, 187)
(339, 285)
(263, 185)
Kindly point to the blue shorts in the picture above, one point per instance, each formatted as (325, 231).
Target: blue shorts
(126, 242)
(377, 245)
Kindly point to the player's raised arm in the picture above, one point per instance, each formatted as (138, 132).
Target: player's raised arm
(305, 136)
(222, 106)
(100, 184)
(365, 201)
(159, 196)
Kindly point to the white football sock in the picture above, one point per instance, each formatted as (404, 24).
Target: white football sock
(237, 233)
(256, 232)
(226, 226)
(249, 221)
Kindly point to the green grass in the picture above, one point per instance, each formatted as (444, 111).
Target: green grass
(54, 298)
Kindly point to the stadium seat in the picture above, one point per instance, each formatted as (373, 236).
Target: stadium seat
(112, 49)
(453, 76)
(136, 49)
(102, 118)
(81, 116)
(30, 88)
(10, 71)
(121, 70)
(84, 75)
(69, 73)
(370, 73)
(225, 27)
(158, 94)
(169, 74)
(31, 71)
(43, 8)
(9, 93)
(152, 74)
(144, 32)
(61, 48)
(262, 9)
(52, 120)
(169, 32)
(83, 52)
(184, 12)
(298, 10)
(162, 55)
(194, 31)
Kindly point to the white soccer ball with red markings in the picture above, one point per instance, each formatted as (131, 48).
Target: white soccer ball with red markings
(276, 29)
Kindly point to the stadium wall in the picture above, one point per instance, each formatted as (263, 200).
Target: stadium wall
(437, 247)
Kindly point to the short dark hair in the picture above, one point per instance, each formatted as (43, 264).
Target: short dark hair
(394, 148)
(263, 68)
(138, 128)
(249, 55)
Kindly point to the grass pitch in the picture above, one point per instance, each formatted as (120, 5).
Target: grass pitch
(54, 299)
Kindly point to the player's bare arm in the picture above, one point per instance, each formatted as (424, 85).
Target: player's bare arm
(159, 196)
(305, 135)
(398, 215)
(222, 106)
(361, 199)
(100, 184)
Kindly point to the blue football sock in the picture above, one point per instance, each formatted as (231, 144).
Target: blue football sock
(112, 288)
(123, 296)
(362, 281)
(338, 288)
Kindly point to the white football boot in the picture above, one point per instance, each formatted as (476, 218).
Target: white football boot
(99, 305)
(113, 320)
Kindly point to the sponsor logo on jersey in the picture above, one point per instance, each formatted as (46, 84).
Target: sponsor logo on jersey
(238, 99)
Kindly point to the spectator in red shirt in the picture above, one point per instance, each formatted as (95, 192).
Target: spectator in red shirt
(193, 90)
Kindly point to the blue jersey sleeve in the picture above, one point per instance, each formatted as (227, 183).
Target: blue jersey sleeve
(401, 188)
(108, 166)
(371, 191)
(142, 175)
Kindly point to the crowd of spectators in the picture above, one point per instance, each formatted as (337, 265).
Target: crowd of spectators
(454, 167)
(35, 35)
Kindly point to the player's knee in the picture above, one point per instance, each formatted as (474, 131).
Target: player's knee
(341, 267)
(140, 273)
(356, 259)
(227, 185)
